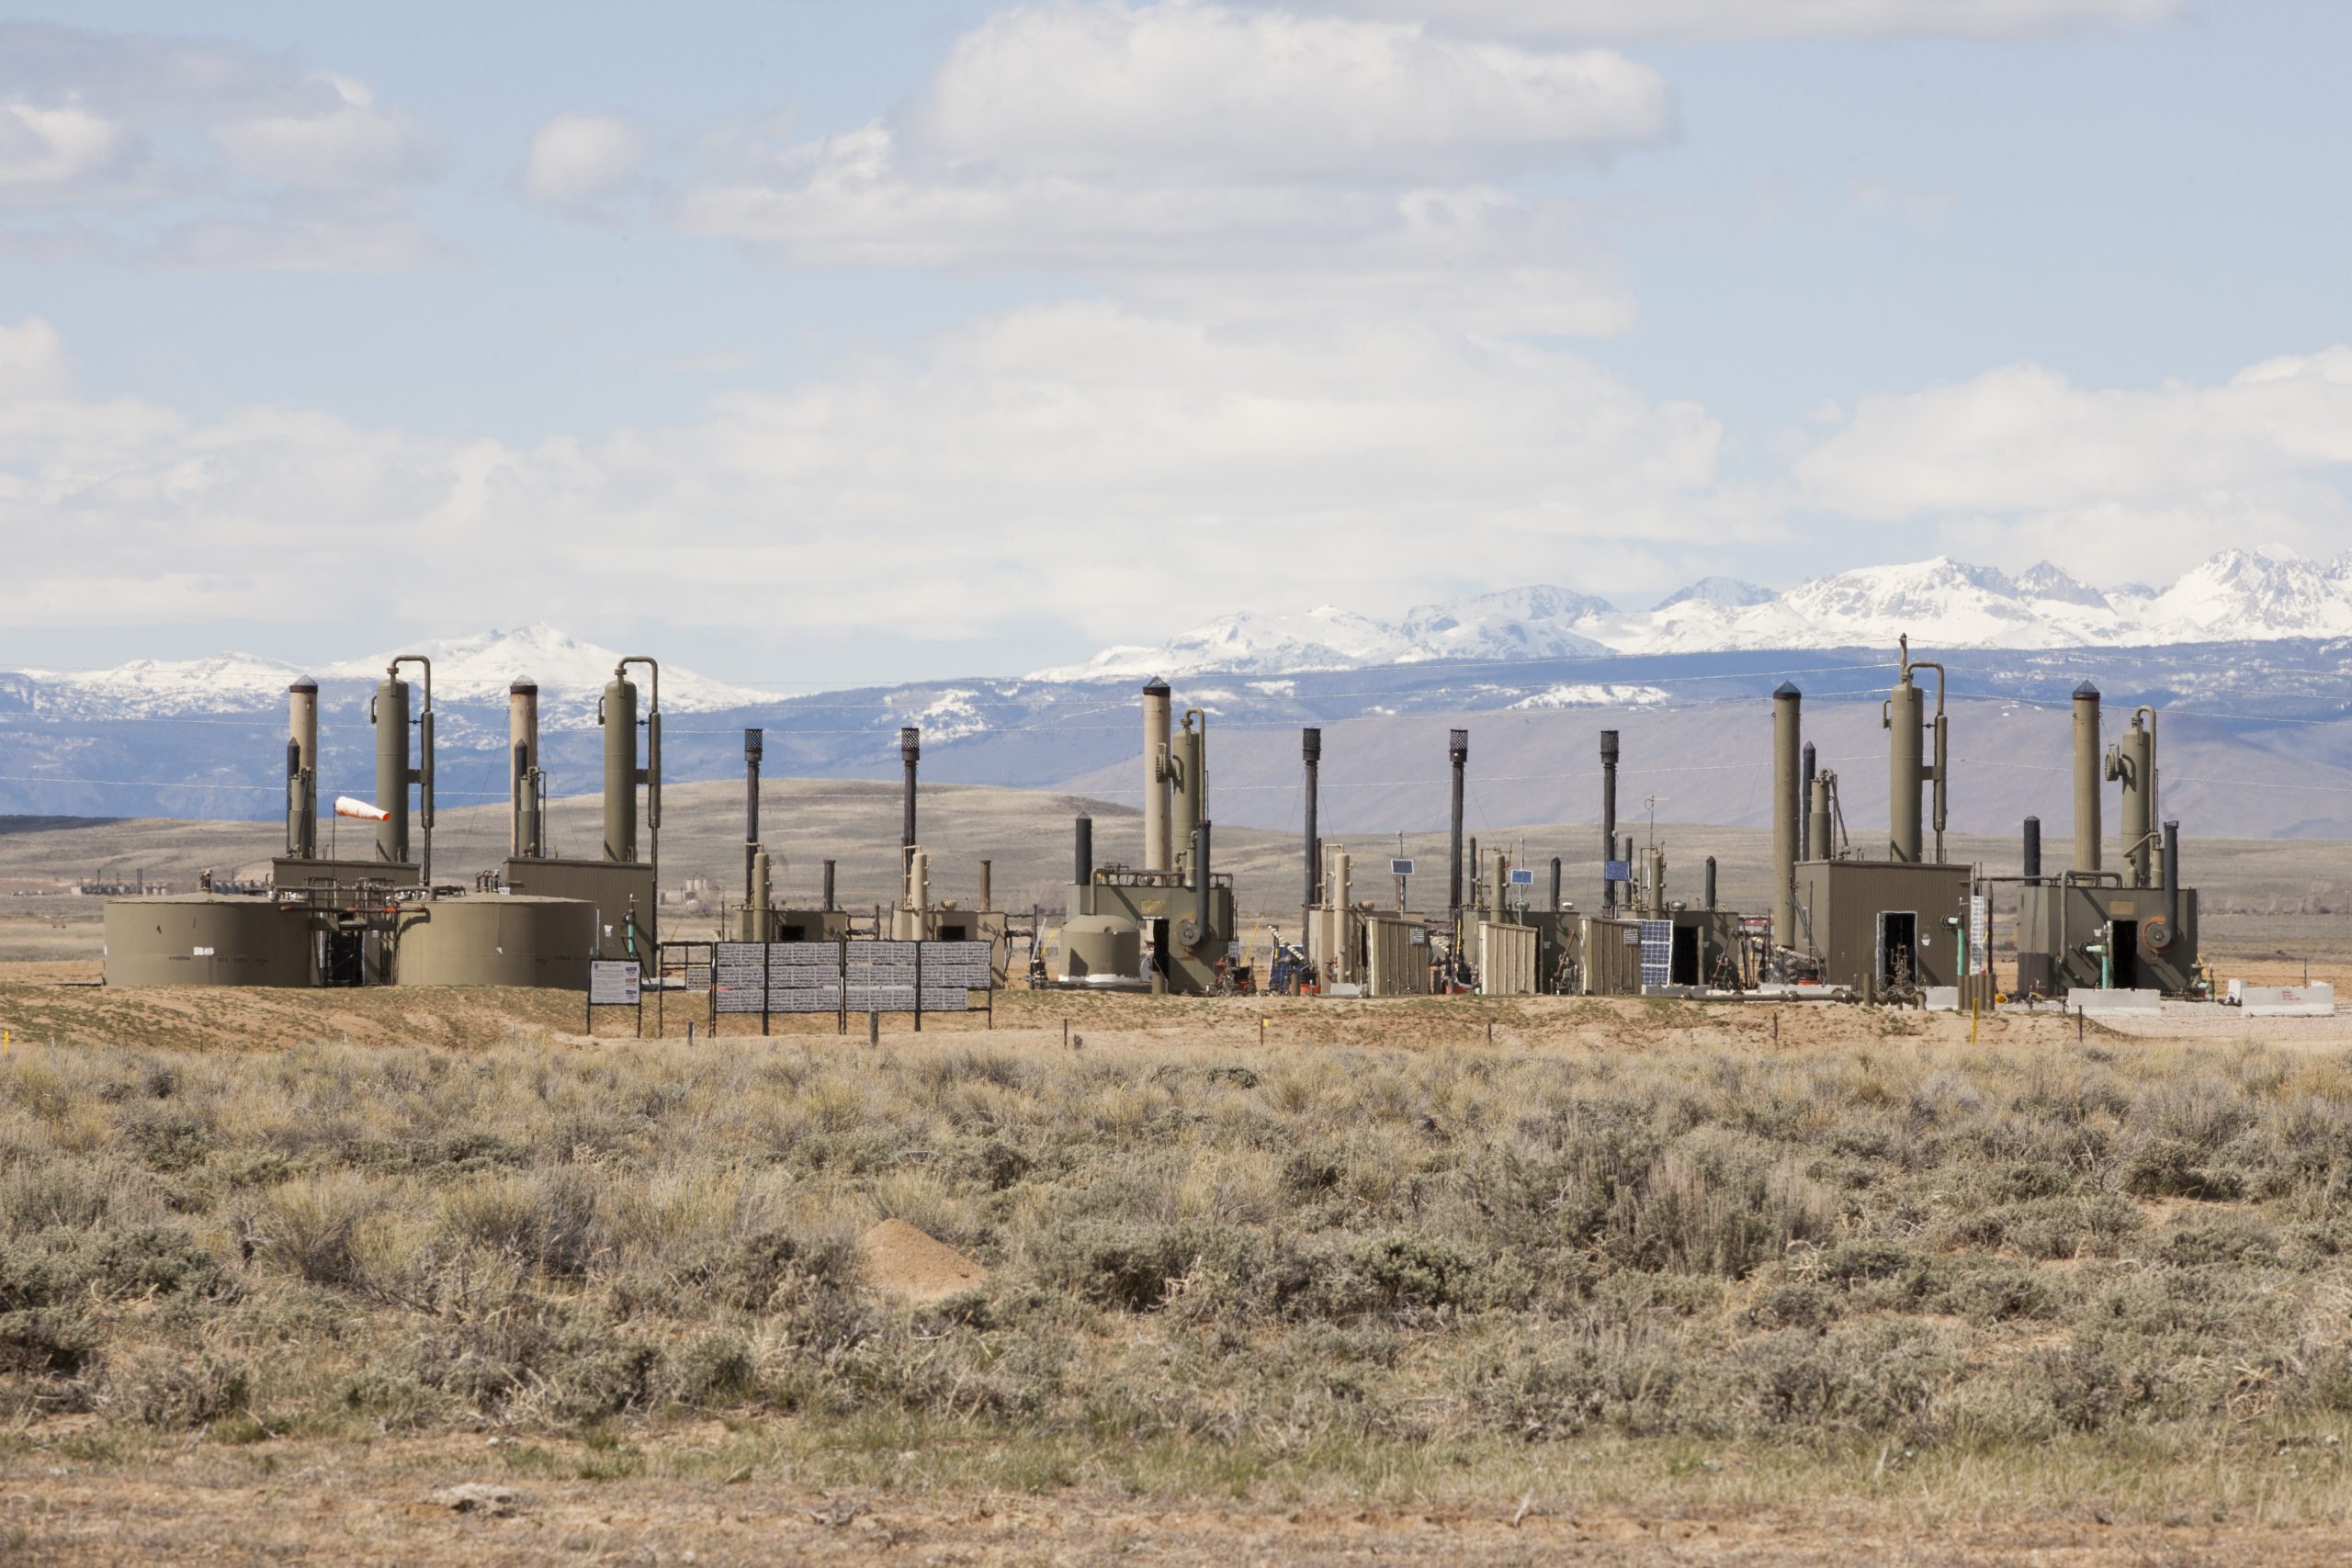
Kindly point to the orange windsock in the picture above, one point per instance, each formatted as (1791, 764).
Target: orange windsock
(344, 806)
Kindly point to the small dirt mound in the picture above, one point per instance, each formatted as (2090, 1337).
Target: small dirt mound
(906, 1263)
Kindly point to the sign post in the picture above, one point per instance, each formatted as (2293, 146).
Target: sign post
(615, 983)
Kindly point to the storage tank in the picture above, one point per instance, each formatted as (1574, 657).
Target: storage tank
(1102, 947)
(206, 938)
(498, 939)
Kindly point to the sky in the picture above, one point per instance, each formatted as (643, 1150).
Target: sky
(813, 345)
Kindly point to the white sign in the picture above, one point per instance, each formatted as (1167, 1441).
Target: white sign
(1979, 916)
(1400, 868)
(613, 983)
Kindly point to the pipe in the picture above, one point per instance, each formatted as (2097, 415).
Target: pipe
(1477, 872)
(301, 769)
(1809, 847)
(1711, 881)
(1083, 870)
(2172, 880)
(829, 887)
(760, 895)
(1310, 748)
(1457, 750)
(1788, 710)
(522, 767)
(1818, 833)
(986, 893)
(1608, 818)
(755, 747)
(2031, 867)
(1556, 885)
(2087, 781)
(1158, 854)
(1201, 879)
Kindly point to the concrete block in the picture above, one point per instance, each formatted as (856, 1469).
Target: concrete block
(2094, 1000)
(2287, 1001)
(1943, 998)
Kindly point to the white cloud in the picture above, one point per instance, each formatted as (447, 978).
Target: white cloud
(2092, 476)
(102, 135)
(46, 149)
(1236, 160)
(1182, 93)
(577, 160)
(331, 138)
(1031, 465)
(1691, 20)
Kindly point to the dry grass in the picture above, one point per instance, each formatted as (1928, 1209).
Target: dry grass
(1633, 1253)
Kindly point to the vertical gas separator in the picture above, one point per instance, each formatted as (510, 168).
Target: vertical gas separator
(1788, 714)
(302, 769)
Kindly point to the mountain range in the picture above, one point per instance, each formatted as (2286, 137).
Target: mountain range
(2238, 594)
(2248, 658)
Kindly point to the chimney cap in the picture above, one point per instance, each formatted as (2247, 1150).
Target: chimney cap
(2086, 690)
(523, 685)
(1155, 687)
(304, 683)
(1787, 689)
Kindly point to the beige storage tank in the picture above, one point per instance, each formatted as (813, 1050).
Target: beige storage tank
(1099, 947)
(497, 940)
(207, 939)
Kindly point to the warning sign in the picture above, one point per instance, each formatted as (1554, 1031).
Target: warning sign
(614, 982)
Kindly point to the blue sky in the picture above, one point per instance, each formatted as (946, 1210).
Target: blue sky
(835, 343)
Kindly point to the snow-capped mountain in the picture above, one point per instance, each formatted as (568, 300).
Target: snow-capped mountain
(570, 674)
(2238, 595)
(1519, 623)
(472, 668)
(1323, 639)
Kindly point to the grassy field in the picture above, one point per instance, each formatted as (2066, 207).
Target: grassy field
(1291, 1280)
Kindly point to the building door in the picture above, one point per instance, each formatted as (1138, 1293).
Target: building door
(1898, 949)
(1686, 955)
(2124, 935)
(342, 965)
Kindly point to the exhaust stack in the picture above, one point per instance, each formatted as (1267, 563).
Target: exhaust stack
(1608, 818)
(1788, 704)
(754, 746)
(2172, 883)
(1457, 749)
(1200, 859)
(1158, 854)
(1083, 870)
(1310, 747)
(2031, 867)
(2086, 802)
(302, 769)
(523, 777)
